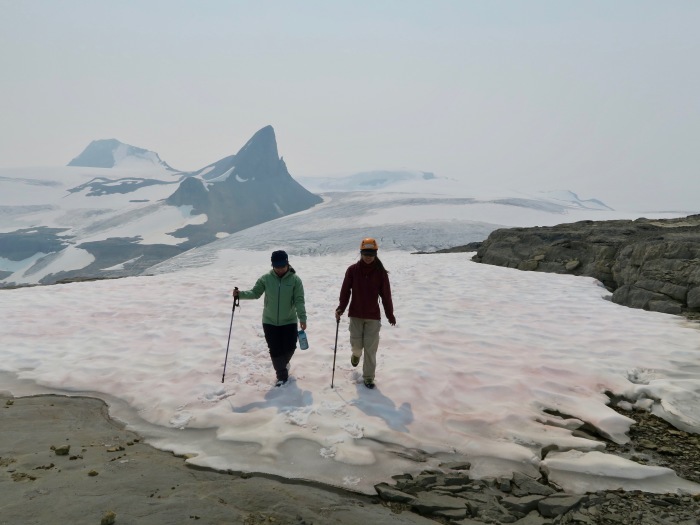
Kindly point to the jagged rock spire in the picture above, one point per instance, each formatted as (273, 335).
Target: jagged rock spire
(259, 157)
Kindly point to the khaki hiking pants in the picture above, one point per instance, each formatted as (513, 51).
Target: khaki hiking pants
(364, 334)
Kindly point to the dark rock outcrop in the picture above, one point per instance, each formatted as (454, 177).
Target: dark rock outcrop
(22, 244)
(648, 264)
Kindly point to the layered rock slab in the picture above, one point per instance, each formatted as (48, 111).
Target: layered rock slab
(649, 264)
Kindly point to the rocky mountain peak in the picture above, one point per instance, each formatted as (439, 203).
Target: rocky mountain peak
(240, 191)
(259, 156)
(111, 153)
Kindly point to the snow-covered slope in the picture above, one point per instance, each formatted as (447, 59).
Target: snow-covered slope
(366, 180)
(406, 222)
(51, 218)
(427, 182)
(118, 209)
(86, 222)
(487, 365)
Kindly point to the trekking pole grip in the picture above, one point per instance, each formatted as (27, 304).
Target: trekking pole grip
(236, 299)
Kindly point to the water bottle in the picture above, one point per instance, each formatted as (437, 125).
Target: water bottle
(303, 341)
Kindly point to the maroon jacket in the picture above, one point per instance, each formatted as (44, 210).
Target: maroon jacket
(366, 283)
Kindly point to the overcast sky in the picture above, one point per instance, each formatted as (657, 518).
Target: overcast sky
(599, 97)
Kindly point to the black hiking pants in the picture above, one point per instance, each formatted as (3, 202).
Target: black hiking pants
(282, 342)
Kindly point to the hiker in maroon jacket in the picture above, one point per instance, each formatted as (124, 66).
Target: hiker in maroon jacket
(366, 281)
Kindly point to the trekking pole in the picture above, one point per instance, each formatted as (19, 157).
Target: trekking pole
(335, 350)
(236, 302)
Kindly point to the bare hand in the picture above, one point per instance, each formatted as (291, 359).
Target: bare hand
(302, 325)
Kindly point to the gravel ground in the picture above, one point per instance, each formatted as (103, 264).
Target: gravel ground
(655, 442)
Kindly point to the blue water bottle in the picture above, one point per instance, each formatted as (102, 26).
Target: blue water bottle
(303, 341)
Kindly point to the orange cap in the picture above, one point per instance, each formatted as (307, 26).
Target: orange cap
(369, 244)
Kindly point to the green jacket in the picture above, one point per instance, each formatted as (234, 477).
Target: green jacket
(284, 298)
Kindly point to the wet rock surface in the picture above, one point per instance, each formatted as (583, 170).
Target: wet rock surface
(110, 477)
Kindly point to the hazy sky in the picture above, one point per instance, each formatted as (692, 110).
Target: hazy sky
(599, 97)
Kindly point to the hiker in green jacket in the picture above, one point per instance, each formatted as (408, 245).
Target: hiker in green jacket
(284, 303)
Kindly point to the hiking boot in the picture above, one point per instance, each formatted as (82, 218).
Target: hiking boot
(369, 383)
(354, 360)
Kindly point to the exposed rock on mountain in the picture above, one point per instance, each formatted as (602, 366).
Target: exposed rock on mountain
(110, 153)
(569, 198)
(240, 191)
(24, 243)
(649, 264)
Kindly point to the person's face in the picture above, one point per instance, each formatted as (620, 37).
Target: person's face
(280, 270)
(368, 259)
